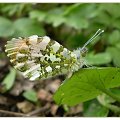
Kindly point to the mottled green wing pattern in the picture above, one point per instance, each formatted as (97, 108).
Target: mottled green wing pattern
(40, 57)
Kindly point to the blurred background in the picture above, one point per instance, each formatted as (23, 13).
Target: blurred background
(69, 24)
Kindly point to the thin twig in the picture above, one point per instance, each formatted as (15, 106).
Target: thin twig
(33, 113)
(12, 113)
(39, 110)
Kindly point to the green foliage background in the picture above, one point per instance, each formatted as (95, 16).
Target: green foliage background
(69, 24)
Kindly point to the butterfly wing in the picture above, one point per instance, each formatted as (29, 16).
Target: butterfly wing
(40, 57)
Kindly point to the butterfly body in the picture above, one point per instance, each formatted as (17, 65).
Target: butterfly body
(40, 57)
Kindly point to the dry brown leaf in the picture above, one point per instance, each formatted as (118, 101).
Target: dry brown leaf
(44, 95)
(25, 106)
(53, 86)
(54, 108)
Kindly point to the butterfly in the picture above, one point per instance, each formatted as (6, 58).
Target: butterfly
(40, 57)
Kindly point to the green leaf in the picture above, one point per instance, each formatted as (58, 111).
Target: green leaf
(39, 15)
(103, 18)
(28, 27)
(74, 17)
(98, 59)
(114, 37)
(81, 10)
(9, 79)
(117, 45)
(115, 55)
(76, 22)
(94, 109)
(13, 9)
(87, 84)
(59, 20)
(73, 42)
(30, 95)
(6, 27)
(78, 15)
(116, 24)
(111, 9)
(55, 17)
(116, 91)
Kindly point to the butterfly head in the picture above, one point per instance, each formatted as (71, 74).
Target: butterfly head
(81, 52)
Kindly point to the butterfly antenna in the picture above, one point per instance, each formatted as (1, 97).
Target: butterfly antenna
(99, 31)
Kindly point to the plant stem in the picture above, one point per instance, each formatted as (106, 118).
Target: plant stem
(113, 108)
(70, 9)
(108, 92)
